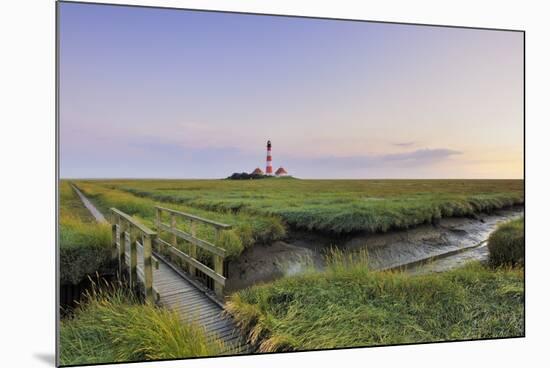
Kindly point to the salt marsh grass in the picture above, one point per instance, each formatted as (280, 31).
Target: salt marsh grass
(85, 245)
(347, 305)
(335, 206)
(507, 244)
(112, 325)
(247, 229)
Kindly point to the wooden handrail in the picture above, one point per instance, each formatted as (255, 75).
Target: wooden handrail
(196, 218)
(144, 229)
(190, 258)
(191, 239)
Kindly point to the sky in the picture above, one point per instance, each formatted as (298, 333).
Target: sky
(161, 93)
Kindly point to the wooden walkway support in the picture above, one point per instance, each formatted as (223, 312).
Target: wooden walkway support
(127, 236)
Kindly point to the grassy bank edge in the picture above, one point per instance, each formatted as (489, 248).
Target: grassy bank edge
(344, 307)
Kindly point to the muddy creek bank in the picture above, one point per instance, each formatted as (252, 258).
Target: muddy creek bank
(263, 263)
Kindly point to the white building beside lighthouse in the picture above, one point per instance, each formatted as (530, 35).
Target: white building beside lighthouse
(281, 172)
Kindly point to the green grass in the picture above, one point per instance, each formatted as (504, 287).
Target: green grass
(263, 210)
(507, 244)
(348, 305)
(113, 326)
(336, 206)
(85, 245)
(247, 229)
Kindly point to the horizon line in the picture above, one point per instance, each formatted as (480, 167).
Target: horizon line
(293, 177)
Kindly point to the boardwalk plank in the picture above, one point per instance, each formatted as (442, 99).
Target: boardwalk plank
(182, 299)
(197, 310)
(215, 324)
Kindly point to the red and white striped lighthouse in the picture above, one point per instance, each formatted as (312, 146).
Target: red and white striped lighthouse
(268, 168)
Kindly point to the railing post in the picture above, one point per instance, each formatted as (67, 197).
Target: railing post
(114, 238)
(173, 228)
(121, 245)
(158, 221)
(218, 267)
(147, 268)
(193, 247)
(131, 242)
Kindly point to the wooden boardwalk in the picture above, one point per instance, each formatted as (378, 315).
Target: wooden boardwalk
(179, 293)
(193, 305)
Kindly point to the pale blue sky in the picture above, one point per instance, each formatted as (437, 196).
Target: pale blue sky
(184, 94)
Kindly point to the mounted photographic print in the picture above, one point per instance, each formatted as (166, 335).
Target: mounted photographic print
(235, 183)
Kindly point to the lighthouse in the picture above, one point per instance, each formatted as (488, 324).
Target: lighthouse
(268, 168)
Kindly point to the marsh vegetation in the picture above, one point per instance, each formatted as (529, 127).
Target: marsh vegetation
(85, 245)
(348, 305)
(507, 244)
(343, 305)
(114, 325)
(265, 210)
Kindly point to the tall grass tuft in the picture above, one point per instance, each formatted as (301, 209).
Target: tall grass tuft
(111, 325)
(339, 261)
(507, 244)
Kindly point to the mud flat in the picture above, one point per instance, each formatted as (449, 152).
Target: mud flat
(419, 250)
(268, 262)
(400, 248)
